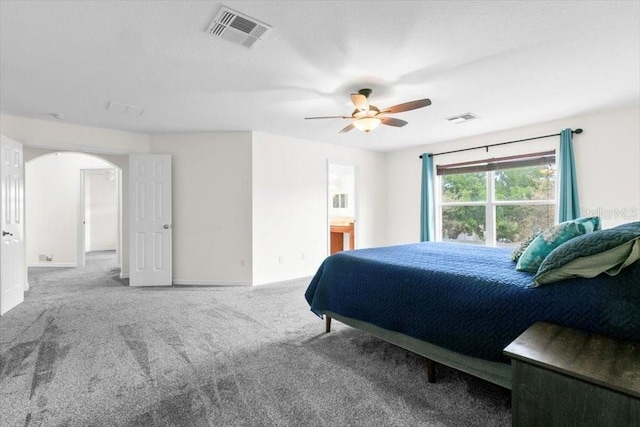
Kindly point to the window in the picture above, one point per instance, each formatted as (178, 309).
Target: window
(497, 202)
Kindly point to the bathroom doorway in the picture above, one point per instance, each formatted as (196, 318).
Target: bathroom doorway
(341, 190)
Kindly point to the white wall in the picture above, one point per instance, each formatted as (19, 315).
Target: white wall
(211, 206)
(212, 190)
(607, 156)
(242, 200)
(255, 197)
(101, 195)
(52, 197)
(61, 135)
(608, 159)
(290, 217)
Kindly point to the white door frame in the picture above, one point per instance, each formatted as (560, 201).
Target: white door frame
(82, 214)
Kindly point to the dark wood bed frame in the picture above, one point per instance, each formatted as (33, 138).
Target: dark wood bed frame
(494, 372)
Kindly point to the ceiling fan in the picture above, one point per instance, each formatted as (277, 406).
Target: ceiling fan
(367, 117)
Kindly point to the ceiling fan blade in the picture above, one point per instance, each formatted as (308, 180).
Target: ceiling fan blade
(347, 129)
(329, 117)
(391, 121)
(407, 106)
(360, 101)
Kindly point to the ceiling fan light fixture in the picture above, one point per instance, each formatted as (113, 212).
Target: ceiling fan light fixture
(367, 117)
(367, 124)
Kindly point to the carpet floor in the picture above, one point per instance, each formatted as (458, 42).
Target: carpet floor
(84, 349)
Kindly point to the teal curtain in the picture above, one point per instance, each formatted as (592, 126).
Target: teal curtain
(569, 205)
(427, 200)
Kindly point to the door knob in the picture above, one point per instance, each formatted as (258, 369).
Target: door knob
(4, 233)
(166, 226)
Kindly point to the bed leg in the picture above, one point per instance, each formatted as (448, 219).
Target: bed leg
(431, 371)
(327, 323)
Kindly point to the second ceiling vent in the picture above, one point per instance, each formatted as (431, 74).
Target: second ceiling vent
(462, 118)
(237, 28)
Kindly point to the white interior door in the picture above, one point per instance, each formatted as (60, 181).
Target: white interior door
(150, 220)
(12, 267)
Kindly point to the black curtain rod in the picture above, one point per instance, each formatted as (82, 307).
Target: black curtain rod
(500, 143)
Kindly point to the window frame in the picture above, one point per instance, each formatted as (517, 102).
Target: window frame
(490, 204)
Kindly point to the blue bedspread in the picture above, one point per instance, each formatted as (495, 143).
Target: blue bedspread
(467, 298)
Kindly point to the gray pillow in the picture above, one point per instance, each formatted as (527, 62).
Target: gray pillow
(604, 251)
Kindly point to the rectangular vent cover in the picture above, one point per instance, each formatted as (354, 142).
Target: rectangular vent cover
(462, 118)
(124, 109)
(237, 28)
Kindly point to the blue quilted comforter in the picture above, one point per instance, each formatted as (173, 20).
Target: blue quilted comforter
(467, 298)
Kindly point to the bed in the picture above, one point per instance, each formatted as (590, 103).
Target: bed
(460, 305)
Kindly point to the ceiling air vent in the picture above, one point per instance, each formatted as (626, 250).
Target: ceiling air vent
(124, 109)
(237, 28)
(462, 118)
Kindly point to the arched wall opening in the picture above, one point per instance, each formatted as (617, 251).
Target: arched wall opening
(73, 204)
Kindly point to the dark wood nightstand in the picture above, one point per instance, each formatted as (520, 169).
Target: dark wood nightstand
(565, 377)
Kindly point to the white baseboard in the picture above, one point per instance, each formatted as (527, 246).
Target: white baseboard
(197, 282)
(53, 264)
(297, 279)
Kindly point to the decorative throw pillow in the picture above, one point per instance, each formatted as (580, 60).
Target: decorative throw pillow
(605, 251)
(517, 253)
(553, 237)
(547, 241)
(591, 223)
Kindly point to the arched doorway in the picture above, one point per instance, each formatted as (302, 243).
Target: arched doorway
(73, 204)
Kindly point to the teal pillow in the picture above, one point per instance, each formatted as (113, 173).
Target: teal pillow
(546, 242)
(553, 237)
(605, 251)
(517, 253)
(591, 223)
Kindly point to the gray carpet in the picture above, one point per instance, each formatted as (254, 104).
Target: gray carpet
(85, 349)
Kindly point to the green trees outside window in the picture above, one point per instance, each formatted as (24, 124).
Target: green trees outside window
(501, 207)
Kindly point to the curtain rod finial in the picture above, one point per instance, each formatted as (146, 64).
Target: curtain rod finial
(577, 130)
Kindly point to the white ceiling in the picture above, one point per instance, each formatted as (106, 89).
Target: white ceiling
(512, 63)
